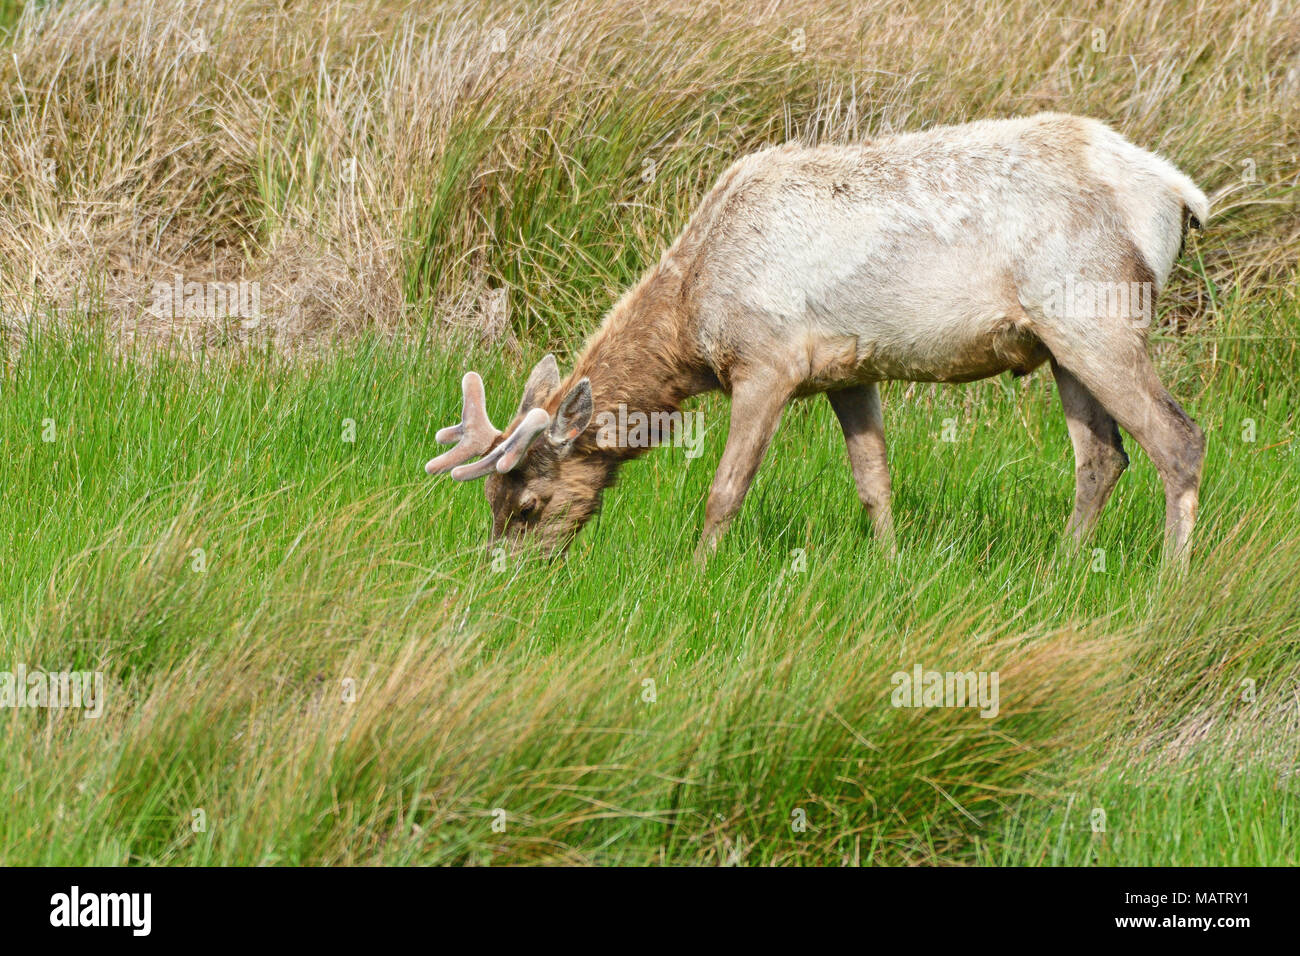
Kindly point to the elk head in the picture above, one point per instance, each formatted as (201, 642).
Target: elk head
(542, 485)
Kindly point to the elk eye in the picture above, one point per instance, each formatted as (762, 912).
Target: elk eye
(527, 507)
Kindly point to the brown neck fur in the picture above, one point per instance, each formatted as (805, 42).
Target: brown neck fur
(644, 357)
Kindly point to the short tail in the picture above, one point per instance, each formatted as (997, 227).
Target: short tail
(1194, 201)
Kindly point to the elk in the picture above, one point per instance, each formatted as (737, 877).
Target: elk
(946, 255)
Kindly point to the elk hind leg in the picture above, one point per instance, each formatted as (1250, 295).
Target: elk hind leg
(1127, 386)
(1099, 457)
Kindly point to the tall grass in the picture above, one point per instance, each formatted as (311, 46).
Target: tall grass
(384, 167)
(304, 639)
(309, 655)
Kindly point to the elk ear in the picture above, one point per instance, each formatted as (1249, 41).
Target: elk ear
(573, 416)
(542, 383)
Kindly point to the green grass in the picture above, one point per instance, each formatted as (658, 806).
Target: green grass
(1160, 816)
(307, 644)
(200, 531)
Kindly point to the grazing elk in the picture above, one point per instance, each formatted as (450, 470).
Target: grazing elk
(948, 255)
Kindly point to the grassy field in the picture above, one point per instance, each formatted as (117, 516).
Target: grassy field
(310, 655)
(305, 639)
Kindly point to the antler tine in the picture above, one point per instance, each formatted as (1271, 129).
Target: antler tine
(475, 433)
(507, 455)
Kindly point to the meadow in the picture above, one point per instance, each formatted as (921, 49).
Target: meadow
(312, 656)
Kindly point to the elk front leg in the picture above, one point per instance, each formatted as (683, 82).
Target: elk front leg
(755, 411)
(858, 409)
(1099, 457)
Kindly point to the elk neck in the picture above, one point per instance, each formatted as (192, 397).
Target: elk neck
(644, 357)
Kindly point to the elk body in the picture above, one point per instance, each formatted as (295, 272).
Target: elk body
(948, 255)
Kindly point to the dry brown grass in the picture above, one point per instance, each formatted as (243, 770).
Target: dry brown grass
(135, 146)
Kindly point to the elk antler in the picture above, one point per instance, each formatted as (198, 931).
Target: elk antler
(507, 455)
(475, 433)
